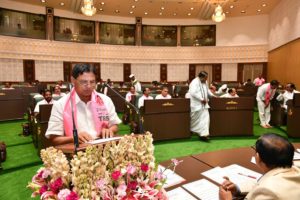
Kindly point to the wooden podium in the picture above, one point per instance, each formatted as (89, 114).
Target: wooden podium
(293, 117)
(11, 104)
(231, 116)
(167, 118)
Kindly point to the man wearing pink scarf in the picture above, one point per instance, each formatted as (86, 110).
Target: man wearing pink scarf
(259, 80)
(94, 113)
(265, 93)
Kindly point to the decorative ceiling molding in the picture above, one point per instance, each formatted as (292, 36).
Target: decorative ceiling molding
(20, 48)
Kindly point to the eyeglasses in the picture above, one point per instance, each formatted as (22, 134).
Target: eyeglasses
(86, 82)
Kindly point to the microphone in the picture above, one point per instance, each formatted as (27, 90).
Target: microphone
(141, 128)
(75, 133)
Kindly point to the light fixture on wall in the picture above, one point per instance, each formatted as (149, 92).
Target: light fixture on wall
(218, 15)
(88, 8)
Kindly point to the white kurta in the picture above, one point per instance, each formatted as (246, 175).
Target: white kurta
(199, 112)
(264, 112)
(162, 97)
(227, 95)
(43, 102)
(285, 97)
(141, 100)
(85, 120)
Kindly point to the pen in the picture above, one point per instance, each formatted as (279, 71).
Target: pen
(247, 175)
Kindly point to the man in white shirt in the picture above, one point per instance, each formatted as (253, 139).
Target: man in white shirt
(288, 94)
(8, 86)
(164, 94)
(130, 93)
(259, 80)
(265, 94)
(135, 83)
(199, 96)
(94, 113)
(57, 92)
(47, 100)
(231, 94)
(146, 96)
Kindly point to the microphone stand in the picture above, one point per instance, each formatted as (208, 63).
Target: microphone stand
(75, 133)
(141, 128)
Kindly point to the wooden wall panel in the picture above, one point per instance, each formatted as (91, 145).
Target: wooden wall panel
(284, 63)
(163, 72)
(29, 70)
(216, 72)
(192, 72)
(126, 72)
(67, 71)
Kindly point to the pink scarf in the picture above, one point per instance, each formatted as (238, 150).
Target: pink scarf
(268, 95)
(100, 113)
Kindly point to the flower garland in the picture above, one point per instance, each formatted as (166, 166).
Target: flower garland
(115, 171)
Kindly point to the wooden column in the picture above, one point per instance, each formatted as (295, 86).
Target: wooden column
(29, 70)
(126, 72)
(178, 35)
(67, 71)
(163, 72)
(216, 72)
(240, 73)
(49, 23)
(98, 71)
(138, 31)
(192, 72)
(97, 32)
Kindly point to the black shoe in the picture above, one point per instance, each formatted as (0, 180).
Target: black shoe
(204, 138)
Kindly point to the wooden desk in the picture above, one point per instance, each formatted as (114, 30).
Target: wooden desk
(11, 104)
(293, 117)
(118, 102)
(231, 116)
(167, 118)
(241, 156)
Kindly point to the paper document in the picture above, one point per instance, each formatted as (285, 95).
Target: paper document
(236, 173)
(172, 177)
(296, 155)
(98, 141)
(203, 189)
(180, 194)
(253, 160)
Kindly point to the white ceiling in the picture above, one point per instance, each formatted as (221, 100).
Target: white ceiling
(201, 9)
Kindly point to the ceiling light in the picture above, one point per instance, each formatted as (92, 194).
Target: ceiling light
(175, 14)
(227, 12)
(62, 3)
(101, 9)
(43, 1)
(146, 13)
(192, 8)
(162, 8)
(259, 10)
(218, 15)
(117, 11)
(131, 12)
(243, 11)
(133, 6)
(102, 3)
(136, 0)
(160, 13)
(264, 5)
(88, 8)
(189, 14)
(232, 6)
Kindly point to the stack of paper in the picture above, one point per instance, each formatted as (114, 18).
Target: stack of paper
(203, 189)
(172, 177)
(98, 141)
(180, 194)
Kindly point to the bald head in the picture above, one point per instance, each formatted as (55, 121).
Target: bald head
(275, 151)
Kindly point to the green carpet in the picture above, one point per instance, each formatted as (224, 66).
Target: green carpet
(22, 159)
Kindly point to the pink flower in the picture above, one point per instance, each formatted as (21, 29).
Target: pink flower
(132, 185)
(43, 189)
(72, 196)
(121, 190)
(48, 195)
(62, 195)
(176, 162)
(46, 173)
(100, 183)
(56, 185)
(144, 167)
(159, 175)
(130, 169)
(116, 175)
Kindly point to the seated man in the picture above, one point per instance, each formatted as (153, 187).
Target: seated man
(287, 94)
(230, 94)
(130, 93)
(57, 92)
(164, 94)
(274, 155)
(47, 94)
(222, 90)
(8, 86)
(94, 113)
(146, 93)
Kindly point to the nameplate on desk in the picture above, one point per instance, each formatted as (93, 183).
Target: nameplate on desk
(232, 103)
(99, 141)
(231, 108)
(2, 94)
(168, 104)
(123, 91)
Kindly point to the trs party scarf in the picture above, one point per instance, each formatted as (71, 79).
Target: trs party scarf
(100, 113)
(268, 95)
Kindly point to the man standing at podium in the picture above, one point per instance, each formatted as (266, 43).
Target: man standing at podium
(93, 114)
(265, 94)
(199, 96)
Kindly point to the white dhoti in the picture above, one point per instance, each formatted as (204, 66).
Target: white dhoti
(264, 113)
(200, 122)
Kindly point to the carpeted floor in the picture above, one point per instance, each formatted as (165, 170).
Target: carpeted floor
(22, 159)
